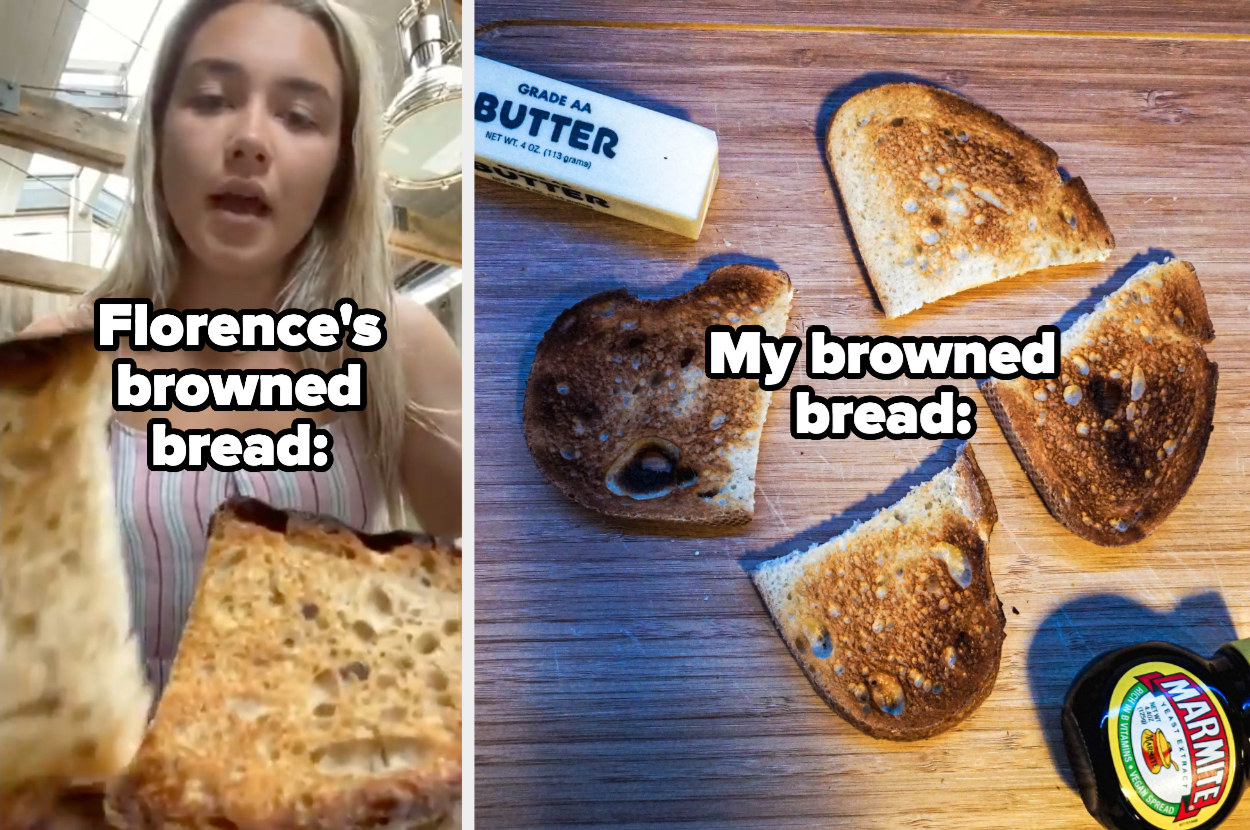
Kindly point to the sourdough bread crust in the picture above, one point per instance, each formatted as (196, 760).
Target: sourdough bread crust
(172, 782)
(347, 540)
(74, 694)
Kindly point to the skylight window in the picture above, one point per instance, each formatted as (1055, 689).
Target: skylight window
(106, 71)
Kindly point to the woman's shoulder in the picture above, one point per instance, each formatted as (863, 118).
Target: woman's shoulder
(413, 321)
(429, 355)
(419, 335)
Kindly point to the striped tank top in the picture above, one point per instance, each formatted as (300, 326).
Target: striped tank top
(164, 517)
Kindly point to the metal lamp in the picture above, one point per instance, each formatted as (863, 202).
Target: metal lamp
(421, 141)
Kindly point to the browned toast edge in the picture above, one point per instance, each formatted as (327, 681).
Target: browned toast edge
(1019, 430)
(976, 492)
(426, 799)
(254, 511)
(727, 518)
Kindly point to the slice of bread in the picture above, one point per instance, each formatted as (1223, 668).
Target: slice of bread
(58, 808)
(1113, 445)
(74, 702)
(944, 195)
(317, 683)
(620, 416)
(896, 622)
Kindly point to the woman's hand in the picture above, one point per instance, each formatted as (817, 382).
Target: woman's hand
(431, 465)
(77, 318)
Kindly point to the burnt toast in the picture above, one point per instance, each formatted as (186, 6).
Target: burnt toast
(943, 195)
(896, 622)
(1114, 443)
(621, 417)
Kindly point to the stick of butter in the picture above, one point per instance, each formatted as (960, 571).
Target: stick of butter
(582, 147)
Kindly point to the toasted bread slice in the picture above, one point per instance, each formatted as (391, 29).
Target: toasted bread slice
(317, 683)
(896, 622)
(621, 417)
(944, 195)
(58, 807)
(74, 702)
(1113, 445)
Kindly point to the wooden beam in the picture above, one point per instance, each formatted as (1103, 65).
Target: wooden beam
(59, 277)
(47, 274)
(54, 128)
(418, 245)
(426, 225)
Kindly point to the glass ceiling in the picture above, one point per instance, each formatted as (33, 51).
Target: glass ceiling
(107, 71)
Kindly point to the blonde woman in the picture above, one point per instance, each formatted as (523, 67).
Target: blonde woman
(256, 185)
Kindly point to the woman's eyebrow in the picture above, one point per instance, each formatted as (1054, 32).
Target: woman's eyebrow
(230, 69)
(216, 66)
(304, 86)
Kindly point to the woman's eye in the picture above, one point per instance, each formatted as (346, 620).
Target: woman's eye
(208, 102)
(297, 120)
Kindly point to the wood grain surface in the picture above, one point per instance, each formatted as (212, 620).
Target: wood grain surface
(633, 678)
(1210, 16)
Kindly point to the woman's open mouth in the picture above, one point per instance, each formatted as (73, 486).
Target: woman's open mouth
(240, 205)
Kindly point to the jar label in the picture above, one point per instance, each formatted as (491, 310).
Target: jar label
(1171, 745)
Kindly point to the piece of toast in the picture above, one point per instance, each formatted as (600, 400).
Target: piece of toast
(1113, 444)
(620, 416)
(944, 195)
(316, 685)
(896, 622)
(55, 808)
(74, 700)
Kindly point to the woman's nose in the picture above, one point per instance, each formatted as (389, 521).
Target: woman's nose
(249, 149)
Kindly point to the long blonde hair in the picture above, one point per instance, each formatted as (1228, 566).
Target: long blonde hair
(344, 253)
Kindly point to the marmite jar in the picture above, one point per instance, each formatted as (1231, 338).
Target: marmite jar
(1159, 737)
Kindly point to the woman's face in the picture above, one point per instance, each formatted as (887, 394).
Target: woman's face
(251, 136)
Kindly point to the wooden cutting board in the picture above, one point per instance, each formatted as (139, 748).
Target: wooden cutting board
(636, 678)
(1156, 16)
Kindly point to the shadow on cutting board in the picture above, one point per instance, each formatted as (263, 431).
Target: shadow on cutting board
(1076, 632)
(1112, 284)
(862, 510)
(1107, 287)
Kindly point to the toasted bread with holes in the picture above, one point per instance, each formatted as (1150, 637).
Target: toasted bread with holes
(74, 702)
(944, 195)
(896, 622)
(620, 415)
(317, 683)
(1113, 444)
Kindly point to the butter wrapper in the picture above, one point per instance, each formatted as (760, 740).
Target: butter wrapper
(579, 146)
